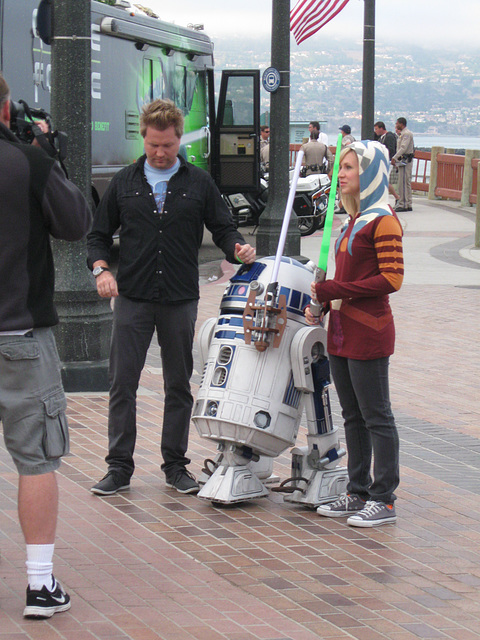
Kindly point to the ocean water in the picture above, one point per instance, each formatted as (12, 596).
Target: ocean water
(448, 142)
(424, 141)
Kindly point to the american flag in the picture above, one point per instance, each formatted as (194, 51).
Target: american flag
(308, 16)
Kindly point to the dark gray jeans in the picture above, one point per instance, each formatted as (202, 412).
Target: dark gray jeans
(363, 391)
(134, 323)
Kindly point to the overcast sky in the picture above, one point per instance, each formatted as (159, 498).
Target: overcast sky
(453, 24)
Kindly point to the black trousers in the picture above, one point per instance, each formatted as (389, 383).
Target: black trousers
(363, 390)
(134, 323)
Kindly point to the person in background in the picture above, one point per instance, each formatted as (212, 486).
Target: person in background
(388, 139)
(403, 161)
(347, 137)
(314, 128)
(361, 334)
(265, 146)
(37, 201)
(161, 203)
(318, 158)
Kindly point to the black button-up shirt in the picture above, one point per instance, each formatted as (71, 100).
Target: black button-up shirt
(158, 258)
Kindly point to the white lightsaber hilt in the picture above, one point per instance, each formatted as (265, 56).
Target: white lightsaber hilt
(315, 307)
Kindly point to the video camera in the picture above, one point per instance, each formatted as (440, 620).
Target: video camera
(23, 125)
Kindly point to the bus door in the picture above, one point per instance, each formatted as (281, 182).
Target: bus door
(152, 80)
(236, 144)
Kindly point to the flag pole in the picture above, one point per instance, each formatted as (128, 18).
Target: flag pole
(368, 84)
(270, 223)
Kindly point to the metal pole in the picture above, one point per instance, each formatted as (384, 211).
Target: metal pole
(85, 320)
(368, 87)
(271, 219)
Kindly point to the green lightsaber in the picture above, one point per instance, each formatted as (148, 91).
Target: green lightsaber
(321, 270)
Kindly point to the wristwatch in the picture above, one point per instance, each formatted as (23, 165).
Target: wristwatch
(98, 270)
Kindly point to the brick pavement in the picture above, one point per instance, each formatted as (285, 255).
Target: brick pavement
(151, 564)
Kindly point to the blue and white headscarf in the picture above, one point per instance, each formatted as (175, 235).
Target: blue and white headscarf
(373, 164)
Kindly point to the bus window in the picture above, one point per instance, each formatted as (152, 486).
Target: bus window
(180, 82)
(147, 92)
(153, 83)
(157, 79)
(239, 110)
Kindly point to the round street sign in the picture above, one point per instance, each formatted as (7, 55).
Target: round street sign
(271, 79)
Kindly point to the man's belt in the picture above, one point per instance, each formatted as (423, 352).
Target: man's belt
(317, 167)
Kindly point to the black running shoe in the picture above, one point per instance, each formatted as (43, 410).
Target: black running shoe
(44, 603)
(111, 484)
(183, 481)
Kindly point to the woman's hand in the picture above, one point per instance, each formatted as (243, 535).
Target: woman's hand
(311, 319)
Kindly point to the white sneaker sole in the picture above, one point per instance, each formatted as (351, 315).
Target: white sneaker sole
(45, 612)
(334, 514)
(100, 492)
(353, 522)
(191, 490)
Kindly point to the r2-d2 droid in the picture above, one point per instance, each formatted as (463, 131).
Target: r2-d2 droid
(263, 366)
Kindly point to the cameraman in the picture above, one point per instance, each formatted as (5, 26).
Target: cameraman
(37, 201)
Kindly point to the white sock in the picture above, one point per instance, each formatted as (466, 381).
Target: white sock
(40, 565)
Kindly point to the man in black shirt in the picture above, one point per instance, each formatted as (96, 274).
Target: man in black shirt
(161, 204)
(389, 140)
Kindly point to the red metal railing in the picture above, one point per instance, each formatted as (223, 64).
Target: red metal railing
(294, 149)
(450, 176)
(450, 170)
(421, 170)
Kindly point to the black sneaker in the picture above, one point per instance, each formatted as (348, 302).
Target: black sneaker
(44, 603)
(110, 484)
(183, 481)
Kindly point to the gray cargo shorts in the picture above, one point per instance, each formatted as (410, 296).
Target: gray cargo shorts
(32, 402)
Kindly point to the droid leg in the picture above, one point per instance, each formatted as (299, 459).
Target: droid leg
(233, 480)
(316, 476)
(262, 468)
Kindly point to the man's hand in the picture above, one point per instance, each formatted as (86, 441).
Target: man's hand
(41, 124)
(245, 253)
(106, 285)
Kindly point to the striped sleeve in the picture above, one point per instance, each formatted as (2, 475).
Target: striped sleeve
(388, 245)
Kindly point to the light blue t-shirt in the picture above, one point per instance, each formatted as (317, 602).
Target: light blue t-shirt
(158, 180)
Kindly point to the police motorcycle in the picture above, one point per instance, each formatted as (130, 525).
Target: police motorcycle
(310, 203)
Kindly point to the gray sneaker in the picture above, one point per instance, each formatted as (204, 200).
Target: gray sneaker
(111, 484)
(345, 505)
(373, 514)
(183, 481)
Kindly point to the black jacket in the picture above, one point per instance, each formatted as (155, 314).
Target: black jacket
(36, 201)
(158, 258)
(389, 139)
